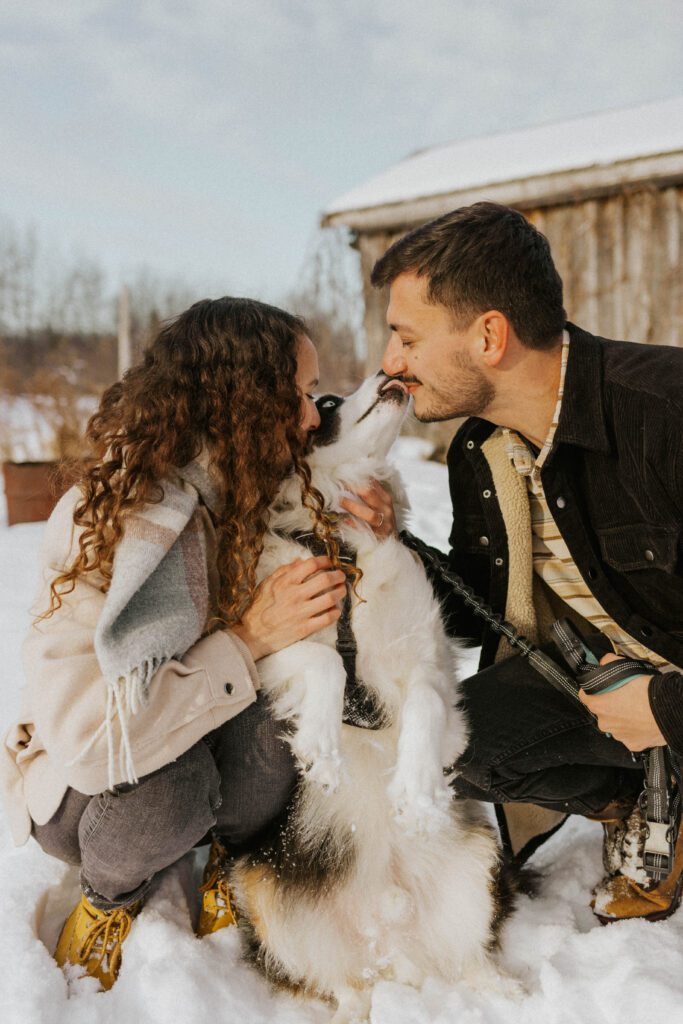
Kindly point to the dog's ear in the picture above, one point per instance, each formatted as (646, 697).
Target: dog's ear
(328, 410)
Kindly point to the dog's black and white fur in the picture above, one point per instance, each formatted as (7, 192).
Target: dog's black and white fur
(376, 871)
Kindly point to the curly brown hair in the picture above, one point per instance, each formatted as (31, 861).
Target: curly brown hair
(221, 377)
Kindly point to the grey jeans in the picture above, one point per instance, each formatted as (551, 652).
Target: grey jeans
(232, 783)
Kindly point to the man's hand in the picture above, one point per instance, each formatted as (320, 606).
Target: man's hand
(626, 713)
(296, 600)
(376, 508)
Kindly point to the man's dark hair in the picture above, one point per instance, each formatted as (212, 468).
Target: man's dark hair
(481, 257)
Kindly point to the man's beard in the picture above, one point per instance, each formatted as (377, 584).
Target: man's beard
(464, 391)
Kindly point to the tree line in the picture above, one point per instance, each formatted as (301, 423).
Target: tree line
(59, 320)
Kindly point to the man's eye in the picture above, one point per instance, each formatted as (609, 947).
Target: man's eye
(406, 344)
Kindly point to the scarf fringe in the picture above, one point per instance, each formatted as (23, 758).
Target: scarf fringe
(125, 698)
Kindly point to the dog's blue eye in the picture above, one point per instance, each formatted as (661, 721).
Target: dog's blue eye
(330, 404)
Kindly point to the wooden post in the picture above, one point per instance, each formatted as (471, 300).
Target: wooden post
(125, 348)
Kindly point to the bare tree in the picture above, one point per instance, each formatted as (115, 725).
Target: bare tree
(153, 299)
(19, 256)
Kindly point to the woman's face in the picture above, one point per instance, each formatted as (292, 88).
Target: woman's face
(307, 374)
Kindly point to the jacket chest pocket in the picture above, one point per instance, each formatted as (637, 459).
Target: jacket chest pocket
(647, 561)
(640, 546)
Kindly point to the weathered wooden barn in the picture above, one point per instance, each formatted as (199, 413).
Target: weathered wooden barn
(606, 190)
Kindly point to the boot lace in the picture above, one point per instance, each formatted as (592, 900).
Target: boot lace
(219, 882)
(105, 938)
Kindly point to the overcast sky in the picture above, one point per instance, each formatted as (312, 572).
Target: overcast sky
(203, 138)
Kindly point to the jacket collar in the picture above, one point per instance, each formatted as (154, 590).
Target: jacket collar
(582, 415)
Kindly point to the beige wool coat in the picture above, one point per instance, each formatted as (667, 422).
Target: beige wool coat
(64, 696)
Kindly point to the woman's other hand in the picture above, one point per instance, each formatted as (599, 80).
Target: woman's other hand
(296, 600)
(376, 508)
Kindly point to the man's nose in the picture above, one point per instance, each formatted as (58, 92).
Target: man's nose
(393, 361)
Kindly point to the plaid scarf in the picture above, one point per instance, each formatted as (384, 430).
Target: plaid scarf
(157, 605)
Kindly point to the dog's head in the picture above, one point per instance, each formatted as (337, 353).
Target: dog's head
(349, 448)
(362, 426)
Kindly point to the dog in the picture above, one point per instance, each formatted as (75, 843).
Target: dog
(375, 870)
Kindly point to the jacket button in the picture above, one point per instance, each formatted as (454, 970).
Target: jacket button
(228, 688)
(499, 561)
(484, 541)
(470, 445)
(592, 572)
(650, 555)
(486, 493)
(561, 503)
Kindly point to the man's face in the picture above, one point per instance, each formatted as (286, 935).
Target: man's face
(432, 356)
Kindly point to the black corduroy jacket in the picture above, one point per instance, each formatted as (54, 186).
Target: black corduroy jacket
(614, 483)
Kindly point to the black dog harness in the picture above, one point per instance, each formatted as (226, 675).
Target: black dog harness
(361, 707)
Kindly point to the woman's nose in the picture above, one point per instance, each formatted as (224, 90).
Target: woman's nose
(313, 418)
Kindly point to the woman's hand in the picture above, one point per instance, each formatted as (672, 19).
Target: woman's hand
(625, 713)
(376, 508)
(296, 600)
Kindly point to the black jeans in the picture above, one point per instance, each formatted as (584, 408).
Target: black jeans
(232, 783)
(532, 744)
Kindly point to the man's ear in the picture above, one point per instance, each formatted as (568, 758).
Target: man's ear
(494, 330)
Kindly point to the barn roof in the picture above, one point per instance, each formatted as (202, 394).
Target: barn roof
(547, 163)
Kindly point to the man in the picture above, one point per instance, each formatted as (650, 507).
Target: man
(567, 487)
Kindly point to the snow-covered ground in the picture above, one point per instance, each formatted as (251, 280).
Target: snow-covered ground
(572, 969)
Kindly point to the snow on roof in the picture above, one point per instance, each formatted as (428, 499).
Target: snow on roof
(598, 139)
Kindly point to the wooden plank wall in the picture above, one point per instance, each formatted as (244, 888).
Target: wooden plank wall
(621, 262)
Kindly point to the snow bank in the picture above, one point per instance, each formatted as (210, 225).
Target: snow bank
(572, 969)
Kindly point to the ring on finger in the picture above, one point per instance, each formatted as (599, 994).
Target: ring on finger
(381, 520)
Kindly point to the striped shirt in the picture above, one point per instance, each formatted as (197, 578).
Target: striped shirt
(551, 558)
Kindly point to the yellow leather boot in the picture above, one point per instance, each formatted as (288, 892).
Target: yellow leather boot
(217, 910)
(92, 939)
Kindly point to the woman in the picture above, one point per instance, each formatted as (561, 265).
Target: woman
(142, 728)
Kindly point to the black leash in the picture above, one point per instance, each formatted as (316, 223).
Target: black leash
(542, 663)
(660, 809)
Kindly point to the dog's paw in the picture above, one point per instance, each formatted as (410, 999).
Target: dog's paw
(315, 747)
(325, 771)
(420, 817)
(420, 809)
(317, 755)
